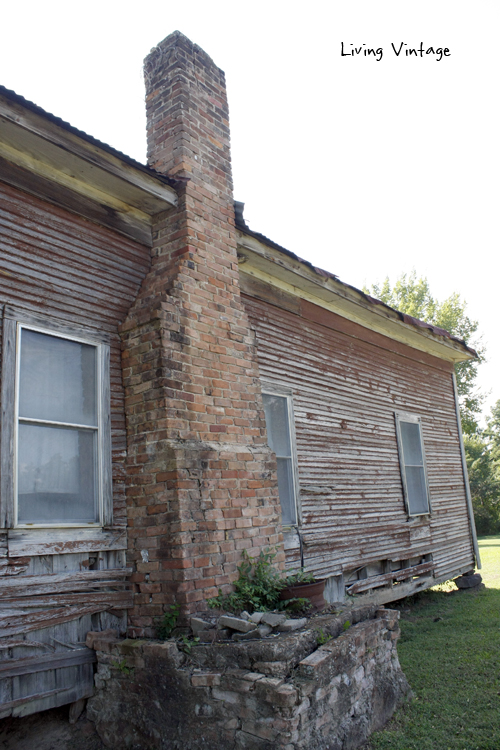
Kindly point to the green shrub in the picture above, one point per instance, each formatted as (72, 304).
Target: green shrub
(259, 585)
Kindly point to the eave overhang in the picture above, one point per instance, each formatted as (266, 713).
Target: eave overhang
(49, 158)
(285, 271)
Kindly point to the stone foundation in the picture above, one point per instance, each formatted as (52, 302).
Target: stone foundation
(326, 687)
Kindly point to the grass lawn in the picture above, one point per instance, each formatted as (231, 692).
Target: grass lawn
(450, 652)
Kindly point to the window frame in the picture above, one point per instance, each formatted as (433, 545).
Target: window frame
(276, 389)
(413, 419)
(14, 322)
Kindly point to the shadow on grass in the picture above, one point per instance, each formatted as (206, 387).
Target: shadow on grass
(489, 541)
(450, 652)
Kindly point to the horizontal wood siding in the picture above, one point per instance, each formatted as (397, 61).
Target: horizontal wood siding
(67, 270)
(61, 266)
(347, 384)
(46, 611)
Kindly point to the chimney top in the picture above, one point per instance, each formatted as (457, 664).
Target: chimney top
(172, 41)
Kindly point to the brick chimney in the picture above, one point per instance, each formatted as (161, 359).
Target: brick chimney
(201, 480)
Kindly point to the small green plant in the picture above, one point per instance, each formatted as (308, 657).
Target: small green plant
(186, 643)
(259, 585)
(122, 666)
(296, 577)
(346, 625)
(168, 622)
(322, 637)
(257, 588)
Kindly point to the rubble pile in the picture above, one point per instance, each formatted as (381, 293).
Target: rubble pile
(244, 627)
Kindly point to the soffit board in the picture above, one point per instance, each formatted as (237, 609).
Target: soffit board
(290, 275)
(39, 145)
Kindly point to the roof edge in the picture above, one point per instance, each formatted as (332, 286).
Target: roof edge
(378, 307)
(64, 125)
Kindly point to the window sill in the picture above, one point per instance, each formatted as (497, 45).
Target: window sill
(291, 538)
(423, 519)
(25, 542)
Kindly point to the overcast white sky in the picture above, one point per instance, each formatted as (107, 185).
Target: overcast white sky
(366, 168)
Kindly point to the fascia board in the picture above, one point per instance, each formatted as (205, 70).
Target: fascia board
(29, 141)
(289, 275)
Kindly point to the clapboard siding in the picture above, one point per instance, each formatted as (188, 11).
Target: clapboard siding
(65, 268)
(46, 612)
(347, 385)
(68, 270)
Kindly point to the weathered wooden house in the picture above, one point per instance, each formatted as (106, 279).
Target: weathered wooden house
(148, 337)
(373, 480)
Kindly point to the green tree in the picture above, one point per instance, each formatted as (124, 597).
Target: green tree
(484, 480)
(413, 296)
(492, 434)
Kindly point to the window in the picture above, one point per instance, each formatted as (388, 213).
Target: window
(412, 463)
(278, 409)
(55, 428)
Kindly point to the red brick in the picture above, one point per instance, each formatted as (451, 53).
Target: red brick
(188, 352)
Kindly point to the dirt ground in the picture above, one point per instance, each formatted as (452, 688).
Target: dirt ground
(49, 730)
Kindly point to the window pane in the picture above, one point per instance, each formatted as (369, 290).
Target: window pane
(276, 410)
(58, 380)
(56, 475)
(417, 490)
(285, 488)
(412, 447)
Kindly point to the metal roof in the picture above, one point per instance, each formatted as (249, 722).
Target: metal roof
(20, 100)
